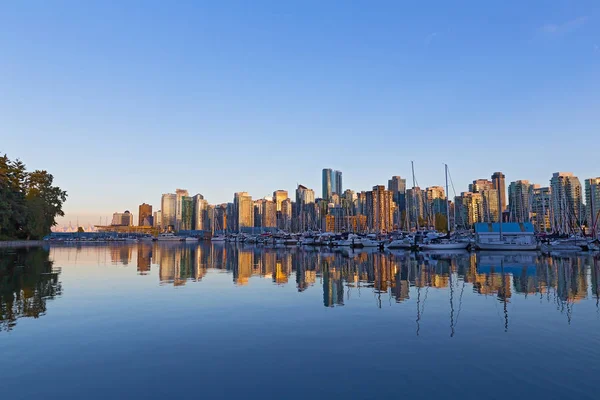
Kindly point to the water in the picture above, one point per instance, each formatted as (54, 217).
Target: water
(220, 321)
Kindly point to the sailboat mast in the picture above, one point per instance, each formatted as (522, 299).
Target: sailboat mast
(447, 203)
(414, 205)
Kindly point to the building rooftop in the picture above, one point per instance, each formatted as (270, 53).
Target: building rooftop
(507, 227)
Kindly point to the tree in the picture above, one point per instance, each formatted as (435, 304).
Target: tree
(29, 203)
(441, 223)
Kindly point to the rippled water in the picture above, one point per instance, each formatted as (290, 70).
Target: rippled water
(220, 321)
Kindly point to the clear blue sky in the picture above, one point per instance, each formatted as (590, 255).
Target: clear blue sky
(123, 101)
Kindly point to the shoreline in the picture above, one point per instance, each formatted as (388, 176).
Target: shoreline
(21, 243)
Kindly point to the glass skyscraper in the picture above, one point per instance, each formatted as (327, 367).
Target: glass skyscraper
(332, 183)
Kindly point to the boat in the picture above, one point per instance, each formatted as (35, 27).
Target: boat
(169, 237)
(404, 243)
(369, 241)
(218, 238)
(190, 239)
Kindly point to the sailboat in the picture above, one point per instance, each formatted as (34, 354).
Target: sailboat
(448, 243)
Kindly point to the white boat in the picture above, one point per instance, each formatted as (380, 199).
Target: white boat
(399, 244)
(561, 245)
(508, 244)
(351, 241)
(190, 239)
(218, 238)
(131, 240)
(369, 242)
(170, 237)
(445, 244)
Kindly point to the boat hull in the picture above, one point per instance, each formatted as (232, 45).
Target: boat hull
(446, 246)
(507, 247)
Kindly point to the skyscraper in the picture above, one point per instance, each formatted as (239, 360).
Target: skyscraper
(498, 180)
(566, 202)
(145, 215)
(278, 197)
(327, 183)
(540, 208)
(168, 207)
(380, 208)
(520, 200)
(490, 211)
(269, 214)
(243, 209)
(178, 206)
(305, 210)
(200, 213)
(415, 206)
(397, 186)
(122, 219)
(592, 201)
(157, 219)
(337, 186)
(187, 213)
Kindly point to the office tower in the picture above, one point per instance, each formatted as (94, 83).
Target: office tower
(480, 185)
(566, 202)
(415, 206)
(435, 199)
(285, 215)
(498, 179)
(187, 213)
(258, 210)
(278, 197)
(469, 209)
(520, 200)
(178, 206)
(592, 201)
(397, 186)
(268, 214)
(541, 208)
(337, 186)
(489, 196)
(304, 210)
(145, 215)
(220, 222)
(168, 207)
(200, 213)
(243, 207)
(380, 208)
(122, 219)
(335, 199)
(157, 223)
(327, 183)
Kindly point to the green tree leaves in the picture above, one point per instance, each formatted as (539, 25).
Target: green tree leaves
(29, 203)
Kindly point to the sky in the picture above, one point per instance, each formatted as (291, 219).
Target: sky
(123, 101)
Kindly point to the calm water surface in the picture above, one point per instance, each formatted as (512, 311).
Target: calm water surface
(220, 321)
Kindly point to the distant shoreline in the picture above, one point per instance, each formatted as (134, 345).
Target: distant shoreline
(21, 243)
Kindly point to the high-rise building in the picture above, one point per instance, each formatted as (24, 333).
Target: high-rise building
(178, 206)
(285, 215)
(122, 219)
(305, 210)
(520, 195)
(201, 213)
(567, 202)
(157, 219)
(168, 207)
(415, 206)
(220, 222)
(327, 183)
(380, 208)
(187, 213)
(498, 179)
(468, 209)
(145, 215)
(268, 214)
(337, 186)
(397, 186)
(541, 208)
(435, 202)
(278, 197)
(243, 208)
(592, 201)
(489, 195)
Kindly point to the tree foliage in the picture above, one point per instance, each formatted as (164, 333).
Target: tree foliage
(29, 203)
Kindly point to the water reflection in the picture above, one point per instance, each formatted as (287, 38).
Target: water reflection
(392, 278)
(27, 282)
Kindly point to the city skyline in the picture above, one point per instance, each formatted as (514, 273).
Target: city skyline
(192, 95)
